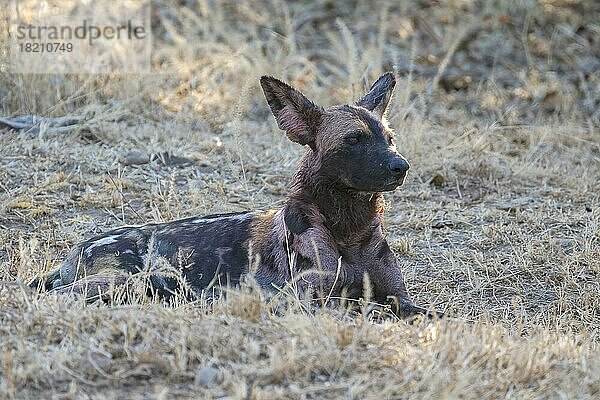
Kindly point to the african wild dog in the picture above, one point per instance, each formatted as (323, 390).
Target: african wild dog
(333, 213)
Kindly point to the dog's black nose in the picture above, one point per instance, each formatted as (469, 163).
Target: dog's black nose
(399, 166)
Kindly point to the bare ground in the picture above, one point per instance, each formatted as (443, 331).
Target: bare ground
(497, 109)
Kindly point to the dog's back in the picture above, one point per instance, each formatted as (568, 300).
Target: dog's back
(202, 248)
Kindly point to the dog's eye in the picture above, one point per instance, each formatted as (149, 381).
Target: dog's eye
(353, 138)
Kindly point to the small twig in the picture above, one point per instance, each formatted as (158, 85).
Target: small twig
(36, 124)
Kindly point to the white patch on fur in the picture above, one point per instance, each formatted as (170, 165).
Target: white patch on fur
(102, 242)
(239, 217)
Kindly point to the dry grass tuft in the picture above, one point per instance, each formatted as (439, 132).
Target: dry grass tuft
(497, 109)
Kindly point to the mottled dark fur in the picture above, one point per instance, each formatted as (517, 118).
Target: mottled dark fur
(330, 224)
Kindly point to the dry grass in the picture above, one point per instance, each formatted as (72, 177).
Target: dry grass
(497, 108)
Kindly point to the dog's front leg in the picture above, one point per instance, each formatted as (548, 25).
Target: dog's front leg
(321, 271)
(387, 279)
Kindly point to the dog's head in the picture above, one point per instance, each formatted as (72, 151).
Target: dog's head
(353, 145)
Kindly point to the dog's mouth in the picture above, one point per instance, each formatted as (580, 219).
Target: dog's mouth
(391, 187)
(385, 185)
(388, 186)
(394, 184)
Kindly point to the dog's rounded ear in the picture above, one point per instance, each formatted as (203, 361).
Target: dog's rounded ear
(379, 95)
(294, 113)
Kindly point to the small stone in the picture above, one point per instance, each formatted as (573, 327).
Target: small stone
(207, 376)
(169, 160)
(437, 180)
(135, 157)
(567, 244)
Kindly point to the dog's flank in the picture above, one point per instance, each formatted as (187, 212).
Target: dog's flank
(329, 229)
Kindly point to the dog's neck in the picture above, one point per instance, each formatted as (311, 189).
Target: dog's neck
(348, 214)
